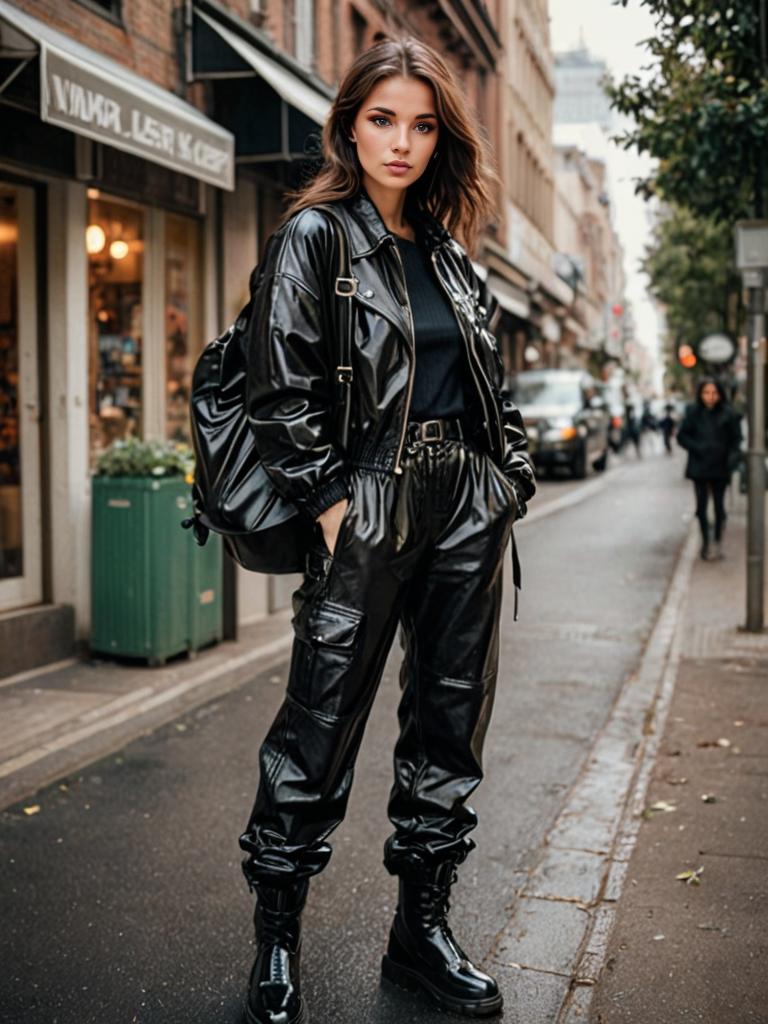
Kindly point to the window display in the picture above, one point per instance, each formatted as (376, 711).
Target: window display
(115, 244)
(11, 550)
(182, 321)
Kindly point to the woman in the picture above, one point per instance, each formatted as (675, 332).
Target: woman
(410, 522)
(711, 434)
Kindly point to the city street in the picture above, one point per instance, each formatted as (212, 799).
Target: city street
(123, 897)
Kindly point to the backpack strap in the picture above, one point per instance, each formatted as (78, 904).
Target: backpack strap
(346, 286)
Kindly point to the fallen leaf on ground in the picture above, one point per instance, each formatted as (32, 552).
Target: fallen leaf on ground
(690, 877)
(658, 807)
(657, 938)
(722, 742)
(708, 798)
(677, 782)
(32, 809)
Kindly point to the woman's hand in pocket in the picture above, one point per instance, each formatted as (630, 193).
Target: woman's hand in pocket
(330, 522)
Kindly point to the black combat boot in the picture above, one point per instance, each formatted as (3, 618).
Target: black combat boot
(274, 989)
(423, 954)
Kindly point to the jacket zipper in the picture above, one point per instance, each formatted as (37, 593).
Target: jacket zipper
(472, 355)
(412, 367)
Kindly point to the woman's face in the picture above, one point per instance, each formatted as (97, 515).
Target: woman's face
(396, 124)
(710, 396)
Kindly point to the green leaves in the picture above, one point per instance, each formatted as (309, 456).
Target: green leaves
(134, 457)
(702, 111)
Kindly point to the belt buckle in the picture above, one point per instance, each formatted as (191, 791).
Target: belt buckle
(425, 433)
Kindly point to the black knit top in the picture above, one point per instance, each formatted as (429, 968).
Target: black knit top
(442, 383)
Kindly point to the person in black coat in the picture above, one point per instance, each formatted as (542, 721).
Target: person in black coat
(711, 434)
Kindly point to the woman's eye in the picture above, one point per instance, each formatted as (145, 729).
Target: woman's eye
(422, 124)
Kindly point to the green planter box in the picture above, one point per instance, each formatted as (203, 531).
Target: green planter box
(154, 592)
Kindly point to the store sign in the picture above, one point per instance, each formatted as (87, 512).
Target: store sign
(717, 348)
(87, 100)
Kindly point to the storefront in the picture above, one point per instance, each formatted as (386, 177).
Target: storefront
(109, 205)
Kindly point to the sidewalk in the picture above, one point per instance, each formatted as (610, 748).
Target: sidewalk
(52, 723)
(696, 952)
(55, 721)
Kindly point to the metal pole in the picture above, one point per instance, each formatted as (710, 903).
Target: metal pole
(756, 456)
(756, 401)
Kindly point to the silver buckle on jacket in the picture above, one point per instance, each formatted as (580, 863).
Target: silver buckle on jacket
(346, 285)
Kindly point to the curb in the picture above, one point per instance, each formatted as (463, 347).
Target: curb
(565, 910)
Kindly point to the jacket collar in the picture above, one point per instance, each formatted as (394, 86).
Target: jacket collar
(367, 230)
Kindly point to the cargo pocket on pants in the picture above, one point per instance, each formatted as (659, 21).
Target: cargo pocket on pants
(328, 637)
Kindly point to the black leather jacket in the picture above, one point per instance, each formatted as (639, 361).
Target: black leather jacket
(292, 354)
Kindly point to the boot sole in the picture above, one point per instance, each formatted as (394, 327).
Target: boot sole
(408, 980)
(303, 1017)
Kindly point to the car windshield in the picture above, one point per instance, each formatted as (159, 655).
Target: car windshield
(547, 391)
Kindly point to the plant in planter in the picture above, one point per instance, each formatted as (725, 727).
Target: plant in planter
(154, 592)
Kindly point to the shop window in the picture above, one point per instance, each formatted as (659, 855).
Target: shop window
(115, 244)
(182, 320)
(10, 447)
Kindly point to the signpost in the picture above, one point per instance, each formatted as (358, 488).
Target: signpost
(717, 349)
(752, 261)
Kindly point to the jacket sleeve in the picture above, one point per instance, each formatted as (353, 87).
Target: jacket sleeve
(686, 434)
(516, 463)
(289, 388)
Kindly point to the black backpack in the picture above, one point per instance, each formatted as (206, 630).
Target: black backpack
(232, 493)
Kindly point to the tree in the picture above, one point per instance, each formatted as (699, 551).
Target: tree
(691, 273)
(703, 110)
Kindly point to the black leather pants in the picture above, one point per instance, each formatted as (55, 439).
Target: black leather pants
(425, 550)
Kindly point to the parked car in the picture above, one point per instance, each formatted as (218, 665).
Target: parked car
(566, 417)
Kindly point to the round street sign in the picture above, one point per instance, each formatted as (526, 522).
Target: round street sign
(717, 348)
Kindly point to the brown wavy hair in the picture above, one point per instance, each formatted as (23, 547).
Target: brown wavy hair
(459, 191)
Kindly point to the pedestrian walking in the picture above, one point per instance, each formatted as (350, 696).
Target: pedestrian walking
(410, 522)
(668, 423)
(632, 430)
(711, 434)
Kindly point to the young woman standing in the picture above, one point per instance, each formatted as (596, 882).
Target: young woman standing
(410, 521)
(711, 434)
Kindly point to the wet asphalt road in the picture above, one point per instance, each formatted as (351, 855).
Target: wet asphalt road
(122, 900)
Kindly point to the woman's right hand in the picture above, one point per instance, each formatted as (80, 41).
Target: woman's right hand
(330, 522)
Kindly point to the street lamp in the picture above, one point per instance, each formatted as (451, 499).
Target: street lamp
(752, 260)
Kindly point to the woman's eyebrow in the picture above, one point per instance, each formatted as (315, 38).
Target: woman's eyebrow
(391, 113)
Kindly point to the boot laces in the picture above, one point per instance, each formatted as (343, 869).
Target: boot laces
(436, 904)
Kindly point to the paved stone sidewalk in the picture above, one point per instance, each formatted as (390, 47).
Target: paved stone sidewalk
(681, 951)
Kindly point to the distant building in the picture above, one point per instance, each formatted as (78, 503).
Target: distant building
(580, 97)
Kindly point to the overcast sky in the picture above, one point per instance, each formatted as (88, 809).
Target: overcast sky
(613, 34)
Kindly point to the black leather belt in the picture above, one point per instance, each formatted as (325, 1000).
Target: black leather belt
(435, 430)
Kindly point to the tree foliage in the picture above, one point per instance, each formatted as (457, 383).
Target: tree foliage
(690, 270)
(689, 263)
(702, 109)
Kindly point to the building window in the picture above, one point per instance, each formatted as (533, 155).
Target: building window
(112, 8)
(115, 245)
(305, 32)
(359, 31)
(11, 550)
(182, 320)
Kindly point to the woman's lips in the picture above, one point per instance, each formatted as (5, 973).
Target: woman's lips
(396, 168)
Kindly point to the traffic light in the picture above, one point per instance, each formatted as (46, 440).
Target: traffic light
(686, 356)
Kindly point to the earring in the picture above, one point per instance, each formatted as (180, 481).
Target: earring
(434, 155)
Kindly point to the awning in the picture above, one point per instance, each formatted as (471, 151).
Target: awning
(91, 95)
(511, 298)
(290, 103)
